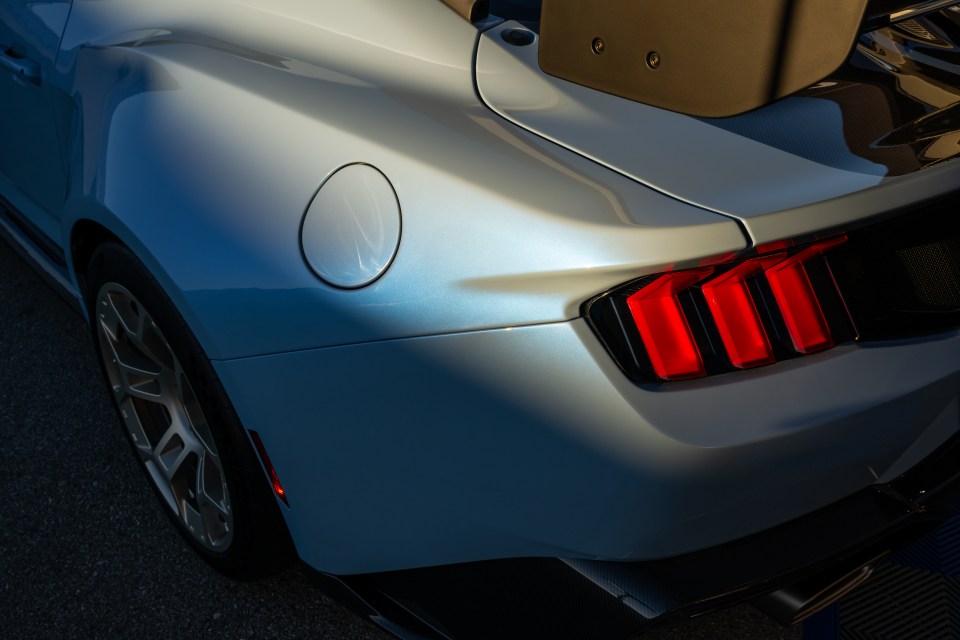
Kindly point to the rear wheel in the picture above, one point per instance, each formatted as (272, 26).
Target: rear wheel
(182, 428)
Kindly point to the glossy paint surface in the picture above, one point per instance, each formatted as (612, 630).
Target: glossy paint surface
(457, 407)
(530, 442)
(690, 159)
(351, 230)
(499, 228)
(30, 106)
(875, 120)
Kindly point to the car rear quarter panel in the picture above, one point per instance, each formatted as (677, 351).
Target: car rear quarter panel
(205, 130)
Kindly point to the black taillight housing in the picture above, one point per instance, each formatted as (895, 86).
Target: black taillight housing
(741, 314)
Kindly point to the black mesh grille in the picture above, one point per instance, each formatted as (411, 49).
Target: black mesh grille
(917, 30)
(902, 277)
(934, 272)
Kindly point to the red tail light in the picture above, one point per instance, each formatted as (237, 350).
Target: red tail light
(663, 326)
(695, 322)
(735, 313)
(798, 301)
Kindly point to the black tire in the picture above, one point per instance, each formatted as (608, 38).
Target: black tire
(253, 539)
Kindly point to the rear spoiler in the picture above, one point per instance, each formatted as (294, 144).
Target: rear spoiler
(711, 58)
(472, 10)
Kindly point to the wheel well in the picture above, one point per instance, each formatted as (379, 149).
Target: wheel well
(85, 237)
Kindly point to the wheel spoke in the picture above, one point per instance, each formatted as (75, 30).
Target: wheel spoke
(170, 469)
(211, 503)
(217, 507)
(208, 474)
(131, 418)
(141, 383)
(138, 371)
(163, 417)
(168, 441)
(142, 390)
(137, 334)
(194, 521)
(135, 375)
(193, 415)
(109, 318)
(174, 448)
(109, 339)
(152, 345)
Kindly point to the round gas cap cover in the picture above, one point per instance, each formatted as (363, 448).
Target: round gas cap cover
(351, 230)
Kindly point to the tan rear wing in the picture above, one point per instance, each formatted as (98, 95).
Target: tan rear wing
(709, 58)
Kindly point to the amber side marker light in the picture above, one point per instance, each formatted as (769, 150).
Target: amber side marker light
(737, 315)
(271, 472)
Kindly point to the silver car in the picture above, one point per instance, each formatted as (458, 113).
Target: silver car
(648, 308)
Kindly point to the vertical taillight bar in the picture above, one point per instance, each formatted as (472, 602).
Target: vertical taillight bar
(806, 323)
(663, 326)
(736, 316)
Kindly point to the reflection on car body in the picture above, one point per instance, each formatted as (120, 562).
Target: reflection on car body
(372, 289)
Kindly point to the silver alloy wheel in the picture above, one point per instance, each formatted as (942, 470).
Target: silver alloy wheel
(162, 416)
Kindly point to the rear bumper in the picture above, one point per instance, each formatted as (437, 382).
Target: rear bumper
(540, 597)
(530, 442)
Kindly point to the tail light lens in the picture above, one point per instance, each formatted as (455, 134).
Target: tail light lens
(663, 326)
(798, 300)
(735, 313)
(738, 315)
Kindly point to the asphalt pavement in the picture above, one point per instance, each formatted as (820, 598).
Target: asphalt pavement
(85, 551)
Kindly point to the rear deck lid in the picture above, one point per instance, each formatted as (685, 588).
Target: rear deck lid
(880, 133)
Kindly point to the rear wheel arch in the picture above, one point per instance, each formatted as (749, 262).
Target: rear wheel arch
(99, 256)
(85, 236)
